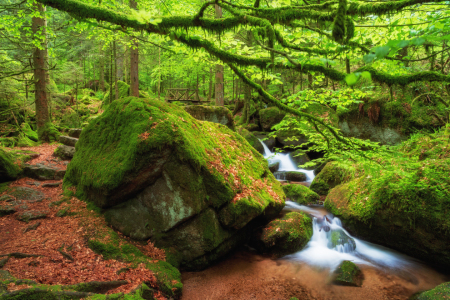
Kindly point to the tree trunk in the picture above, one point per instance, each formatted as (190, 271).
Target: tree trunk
(40, 73)
(219, 96)
(102, 70)
(210, 84)
(111, 81)
(134, 62)
(347, 65)
(116, 88)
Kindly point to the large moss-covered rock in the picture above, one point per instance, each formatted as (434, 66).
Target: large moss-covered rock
(8, 169)
(288, 234)
(269, 117)
(331, 175)
(441, 292)
(347, 273)
(188, 185)
(251, 139)
(300, 194)
(216, 114)
(402, 208)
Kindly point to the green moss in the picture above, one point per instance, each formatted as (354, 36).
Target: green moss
(48, 133)
(441, 292)
(8, 169)
(132, 131)
(333, 174)
(168, 277)
(300, 194)
(347, 273)
(288, 234)
(29, 133)
(251, 139)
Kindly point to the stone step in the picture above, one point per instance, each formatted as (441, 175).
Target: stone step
(64, 152)
(43, 172)
(75, 132)
(67, 140)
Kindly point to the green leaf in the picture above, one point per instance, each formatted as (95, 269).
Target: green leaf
(369, 58)
(382, 51)
(351, 79)
(366, 75)
(418, 41)
(403, 44)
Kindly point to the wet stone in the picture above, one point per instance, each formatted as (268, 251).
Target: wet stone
(347, 273)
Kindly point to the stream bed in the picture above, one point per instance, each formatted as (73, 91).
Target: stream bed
(306, 274)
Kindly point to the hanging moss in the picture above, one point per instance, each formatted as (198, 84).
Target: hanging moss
(339, 26)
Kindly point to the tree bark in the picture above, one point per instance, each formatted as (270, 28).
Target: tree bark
(219, 95)
(210, 84)
(134, 62)
(116, 88)
(40, 72)
(347, 65)
(102, 70)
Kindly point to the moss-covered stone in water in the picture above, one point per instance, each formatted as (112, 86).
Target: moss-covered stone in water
(441, 292)
(251, 139)
(300, 194)
(269, 117)
(8, 169)
(331, 175)
(347, 273)
(215, 114)
(288, 234)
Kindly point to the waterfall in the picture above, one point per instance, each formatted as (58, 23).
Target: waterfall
(329, 247)
(286, 163)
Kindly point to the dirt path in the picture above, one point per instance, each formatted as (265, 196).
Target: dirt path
(246, 275)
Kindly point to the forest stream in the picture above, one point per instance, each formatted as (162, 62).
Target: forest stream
(307, 274)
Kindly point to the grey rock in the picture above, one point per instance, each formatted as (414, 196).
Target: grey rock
(6, 210)
(52, 184)
(43, 172)
(65, 152)
(27, 194)
(273, 167)
(67, 140)
(29, 215)
(75, 132)
(364, 129)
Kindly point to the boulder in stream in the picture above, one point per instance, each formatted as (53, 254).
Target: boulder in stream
(270, 116)
(347, 273)
(300, 194)
(273, 167)
(195, 188)
(296, 176)
(330, 176)
(287, 235)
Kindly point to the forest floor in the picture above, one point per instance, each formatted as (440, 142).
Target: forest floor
(61, 255)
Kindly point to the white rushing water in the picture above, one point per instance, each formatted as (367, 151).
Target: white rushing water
(331, 244)
(286, 163)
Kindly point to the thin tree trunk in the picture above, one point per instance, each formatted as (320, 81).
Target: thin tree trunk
(134, 62)
(116, 88)
(347, 65)
(219, 95)
(102, 70)
(111, 82)
(40, 76)
(210, 84)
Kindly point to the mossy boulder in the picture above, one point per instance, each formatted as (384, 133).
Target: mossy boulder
(330, 176)
(288, 234)
(403, 208)
(273, 167)
(347, 273)
(268, 117)
(441, 292)
(215, 114)
(48, 133)
(8, 169)
(187, 185)
(251, 139)
(300, 194)
(299, 158)
(291, 138)
(123, 89)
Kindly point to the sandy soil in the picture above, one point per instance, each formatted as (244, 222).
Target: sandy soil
(246, 275)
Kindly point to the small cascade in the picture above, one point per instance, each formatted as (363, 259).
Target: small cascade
(331, 244)
(286, 163)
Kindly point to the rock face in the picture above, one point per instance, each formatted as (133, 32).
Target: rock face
(365, 129)
(288, 234)
(348, 274)
(251, 139)
(195, 188)
(300, 194)
(215, 114)
(269, 117)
